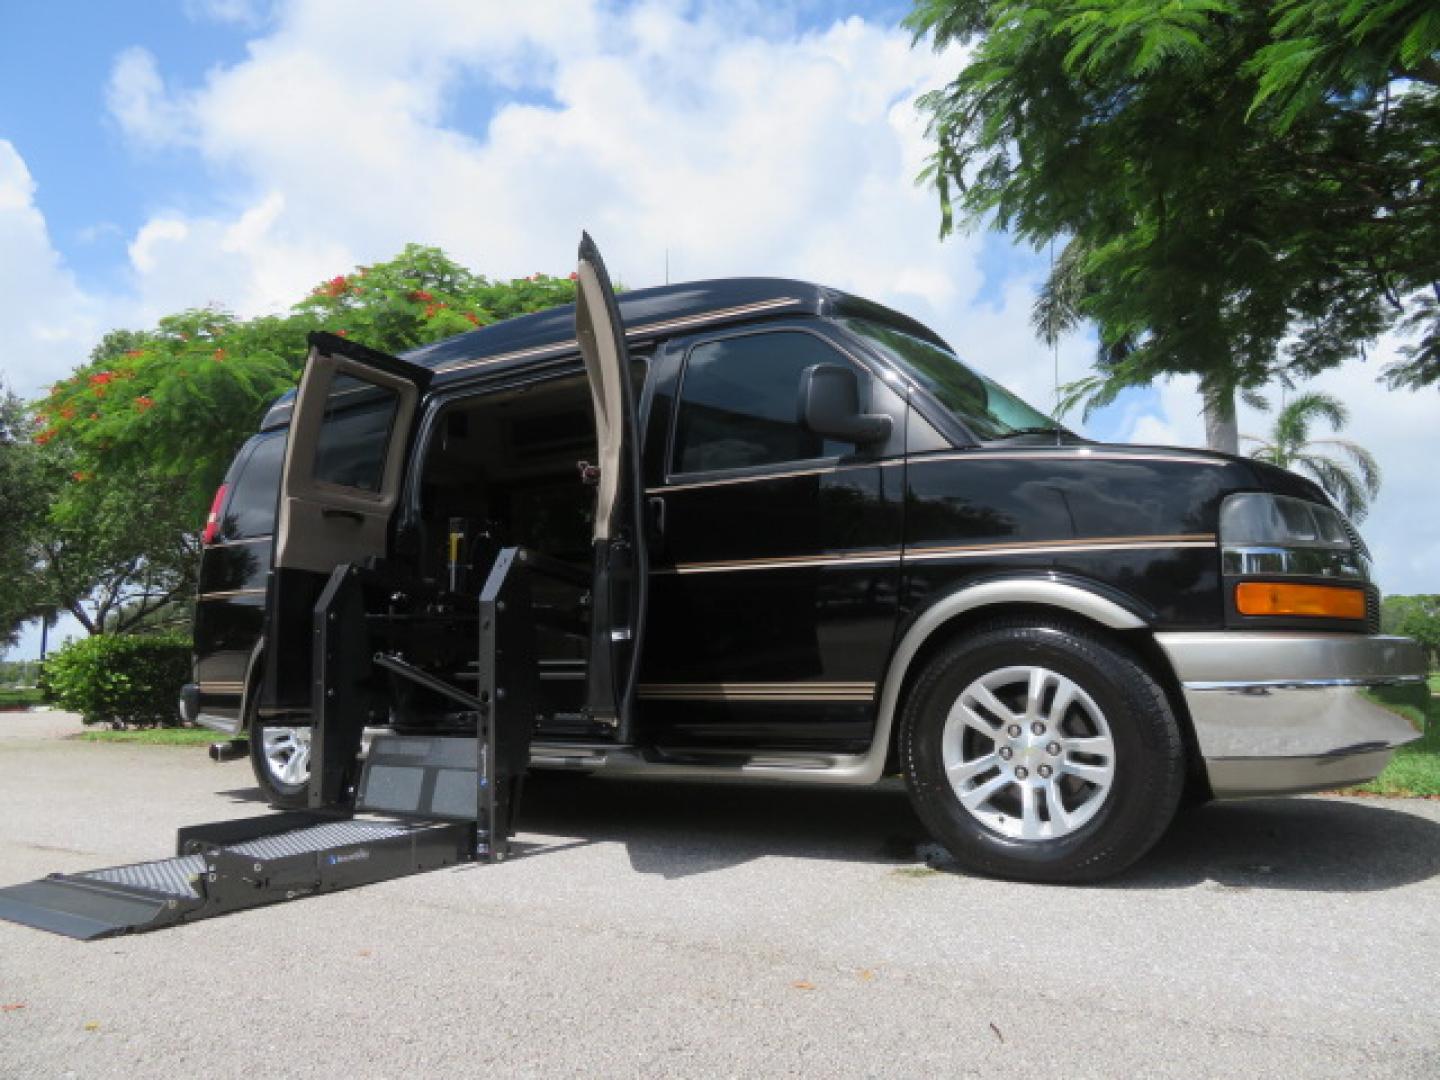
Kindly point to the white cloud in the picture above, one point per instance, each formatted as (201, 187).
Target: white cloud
(662, 131)
(50, 322)
(717, 135)
(248, 13)
(137, 99)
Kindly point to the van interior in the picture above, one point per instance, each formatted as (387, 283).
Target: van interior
(505, 469)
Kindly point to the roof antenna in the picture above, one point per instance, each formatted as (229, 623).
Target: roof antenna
(667, 266)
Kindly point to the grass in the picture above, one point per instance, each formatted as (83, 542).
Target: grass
(154, 736)
(12, 698)
(1415, 769)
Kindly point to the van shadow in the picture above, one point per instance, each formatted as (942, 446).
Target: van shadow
(677, 829)
(1300, 845)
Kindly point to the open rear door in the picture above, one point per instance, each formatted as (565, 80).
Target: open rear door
(349, 436)
(620, 566)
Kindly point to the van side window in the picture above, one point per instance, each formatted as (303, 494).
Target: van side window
(251, 510)
(739, 399)
(355, 433)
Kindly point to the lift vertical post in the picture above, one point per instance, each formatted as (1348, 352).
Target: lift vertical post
(508, 692)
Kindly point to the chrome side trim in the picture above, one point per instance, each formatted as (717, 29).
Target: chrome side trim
(1119, 543)
(1078, 453)
(263, 538)
(229, 594)
(783, 562)
(1260, 685)
(704, 317)
(1228, 656)
(559, 348)
(786, 475)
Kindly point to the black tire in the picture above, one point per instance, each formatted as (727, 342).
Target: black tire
(279, 790)
(1117, 817)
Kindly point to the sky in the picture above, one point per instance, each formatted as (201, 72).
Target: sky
(175, 153)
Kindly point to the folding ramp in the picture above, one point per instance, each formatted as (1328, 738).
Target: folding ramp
(419, 802)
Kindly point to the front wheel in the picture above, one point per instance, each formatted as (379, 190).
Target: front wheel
(280, 756)
(1041, 753)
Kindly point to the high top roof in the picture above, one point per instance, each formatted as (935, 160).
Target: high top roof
(647, 313)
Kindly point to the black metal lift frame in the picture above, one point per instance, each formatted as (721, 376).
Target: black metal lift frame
(418, 802)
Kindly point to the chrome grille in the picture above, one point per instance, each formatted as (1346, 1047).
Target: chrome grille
(1355, 541)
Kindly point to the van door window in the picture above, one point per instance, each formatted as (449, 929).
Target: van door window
(251, 511)
(355, 434)
(738, 401)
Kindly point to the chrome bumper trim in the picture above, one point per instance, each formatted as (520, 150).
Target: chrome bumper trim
(1238, 778)
(224, 724)
(1277, 713)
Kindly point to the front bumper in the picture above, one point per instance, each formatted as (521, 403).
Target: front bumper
(1280, 713)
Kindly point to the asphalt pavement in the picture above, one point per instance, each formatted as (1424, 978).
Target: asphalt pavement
(693, 930)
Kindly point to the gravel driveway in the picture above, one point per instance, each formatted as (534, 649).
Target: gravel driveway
(663, 930)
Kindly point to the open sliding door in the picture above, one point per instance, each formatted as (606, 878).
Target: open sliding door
(349, 436)
(618, 539)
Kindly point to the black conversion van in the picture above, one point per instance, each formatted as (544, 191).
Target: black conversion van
(804, 543)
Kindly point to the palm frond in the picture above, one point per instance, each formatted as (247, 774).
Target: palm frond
(1363, 460)
(1264, 451)
(1256, 400)
(1339, 483)
(1292, 426)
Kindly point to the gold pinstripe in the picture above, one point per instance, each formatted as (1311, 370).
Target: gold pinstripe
(776, 691)
(966, 551)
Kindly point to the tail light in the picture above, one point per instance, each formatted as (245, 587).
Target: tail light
(212, 523)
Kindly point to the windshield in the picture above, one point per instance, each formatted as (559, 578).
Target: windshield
(986, 408)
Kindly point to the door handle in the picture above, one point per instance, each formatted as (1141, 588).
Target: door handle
(337, 512)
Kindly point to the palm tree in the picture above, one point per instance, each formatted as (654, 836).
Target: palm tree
(1353, 483)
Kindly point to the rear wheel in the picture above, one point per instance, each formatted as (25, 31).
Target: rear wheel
(280, 756)
(1041, 753)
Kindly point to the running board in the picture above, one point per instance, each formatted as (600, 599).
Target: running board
(793, 766)
(234, 865)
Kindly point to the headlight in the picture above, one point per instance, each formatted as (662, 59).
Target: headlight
(1274, 535)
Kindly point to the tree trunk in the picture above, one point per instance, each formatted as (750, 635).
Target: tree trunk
(1221, 430)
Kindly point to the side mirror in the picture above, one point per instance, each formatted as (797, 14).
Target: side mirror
(830, 406)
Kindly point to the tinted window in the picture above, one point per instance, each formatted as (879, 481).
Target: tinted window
(985, 407)
(739, 399)
(355, 433)
(251, 510)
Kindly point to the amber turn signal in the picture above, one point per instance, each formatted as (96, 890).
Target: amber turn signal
(1322, 601)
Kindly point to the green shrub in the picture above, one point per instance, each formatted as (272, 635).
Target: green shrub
(18, 699)
(120, 679)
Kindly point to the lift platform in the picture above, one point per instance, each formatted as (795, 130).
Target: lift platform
(415, 802)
